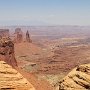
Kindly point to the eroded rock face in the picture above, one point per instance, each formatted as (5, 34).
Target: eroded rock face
(77, 79)
(10, 79)
(4, 33)
(18, 35)
(7, 51)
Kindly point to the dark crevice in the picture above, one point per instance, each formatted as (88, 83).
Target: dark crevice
(6, 88)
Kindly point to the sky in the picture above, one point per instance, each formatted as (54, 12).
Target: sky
(45, 12)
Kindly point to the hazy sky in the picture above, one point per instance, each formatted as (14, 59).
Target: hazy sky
(45, 12)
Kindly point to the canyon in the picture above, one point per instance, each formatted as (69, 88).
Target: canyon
(10, 71)
(44, 61)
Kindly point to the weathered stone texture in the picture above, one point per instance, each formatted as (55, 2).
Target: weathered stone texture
(11, 79)
(77, 79)
(7, 51)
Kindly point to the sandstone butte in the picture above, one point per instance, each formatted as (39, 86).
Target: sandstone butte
(77, 79)
(11, 79)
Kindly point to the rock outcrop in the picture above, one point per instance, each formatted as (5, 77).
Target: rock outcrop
(4, 33)
(28, 37)
(77, 79)
(11, 79)
(18, 30)
(7, 51)
(18, 35)
(19, 38)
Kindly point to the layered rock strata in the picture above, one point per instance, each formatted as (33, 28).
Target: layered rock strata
(77, 79)
(11, 79)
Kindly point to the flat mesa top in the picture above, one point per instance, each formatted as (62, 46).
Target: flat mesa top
(4, 29)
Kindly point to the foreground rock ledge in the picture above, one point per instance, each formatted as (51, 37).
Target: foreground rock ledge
(10, 79)
(77, 79)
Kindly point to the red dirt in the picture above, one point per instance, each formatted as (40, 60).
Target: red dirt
(29, 49)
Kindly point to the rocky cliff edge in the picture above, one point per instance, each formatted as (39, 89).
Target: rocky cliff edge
(11, 79)
(77, 79)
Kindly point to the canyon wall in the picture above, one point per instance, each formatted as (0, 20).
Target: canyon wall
(7, 51)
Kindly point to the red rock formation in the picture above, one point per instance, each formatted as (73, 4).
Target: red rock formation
(18, 35)
(7, 51)
(28, 37)
(4, 33)
(18, 30)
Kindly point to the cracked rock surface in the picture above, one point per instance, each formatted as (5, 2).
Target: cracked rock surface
(77, 79)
